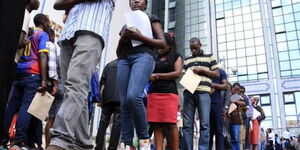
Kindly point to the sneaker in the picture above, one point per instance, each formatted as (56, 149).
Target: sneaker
(126, 147)
(144, 144)
(15, 147)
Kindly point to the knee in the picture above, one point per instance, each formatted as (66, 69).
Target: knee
(134, 99)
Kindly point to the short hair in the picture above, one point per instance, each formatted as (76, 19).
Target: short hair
(51, 32)
(236, 84)
(195, 39)
(146, 3)
(243, 88)
(39, 19)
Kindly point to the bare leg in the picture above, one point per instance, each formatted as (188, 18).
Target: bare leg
(158, 136)
(174, 136)
(254, 147)
(49, 125)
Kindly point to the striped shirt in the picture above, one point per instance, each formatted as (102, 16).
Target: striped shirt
(205, 61)
(52, 62)
(89, 16)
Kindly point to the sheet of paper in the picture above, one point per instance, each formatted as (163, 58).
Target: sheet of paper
(256, 113)
(139, 20)
(40, 105)
(236, 97)
(232, 107)
(190, 80)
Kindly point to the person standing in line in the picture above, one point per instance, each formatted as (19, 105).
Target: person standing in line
(247, 113)
(82, 41)
(262, 140)
(111, 106)
(12, 15)
(56, 86)
(11, 18)
(216, 111)
(254, 133)
(234, 117)
(135, 67)
(163, 100)
(31, 76)
(206, 66)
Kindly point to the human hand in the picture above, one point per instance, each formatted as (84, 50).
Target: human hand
(54, 91)
(154, 77)
(42, 88)
(134, 33)
(198, 70)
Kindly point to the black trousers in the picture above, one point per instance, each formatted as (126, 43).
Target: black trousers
(108, 110)
(216, 125)
(11, 20)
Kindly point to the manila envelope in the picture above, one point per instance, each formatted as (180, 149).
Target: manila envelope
(40, 105)
(190, 80)
(232, 107)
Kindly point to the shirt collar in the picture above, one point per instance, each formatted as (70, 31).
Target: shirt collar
(38, 28)
(201, 53)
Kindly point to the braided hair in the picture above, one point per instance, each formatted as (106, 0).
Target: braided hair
(172, 54)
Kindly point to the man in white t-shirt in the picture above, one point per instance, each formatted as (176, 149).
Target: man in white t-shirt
(23, 40)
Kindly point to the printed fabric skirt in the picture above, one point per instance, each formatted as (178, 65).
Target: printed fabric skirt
(162, 107)
(254, 133)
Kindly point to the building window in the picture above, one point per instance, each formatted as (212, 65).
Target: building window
(292, 108)
(265, 103)
(287, 36)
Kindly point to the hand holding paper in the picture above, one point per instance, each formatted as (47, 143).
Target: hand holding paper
(139, 20)
(190, 80)
(40, 105)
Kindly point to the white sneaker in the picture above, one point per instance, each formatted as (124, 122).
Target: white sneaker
(144, 144)
(124, 147)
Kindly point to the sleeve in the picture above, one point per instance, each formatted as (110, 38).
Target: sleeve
(43, 39)
(263, 116)
(52, 61)
(154, 18)
(223, 74)
(26, 22)
(123, 28)
(185, 67)
(104, 75)
(213, 63)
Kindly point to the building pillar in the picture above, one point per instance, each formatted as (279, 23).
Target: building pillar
(269, 63)
(277, 69)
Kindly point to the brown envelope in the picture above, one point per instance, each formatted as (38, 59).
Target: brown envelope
(40, 105)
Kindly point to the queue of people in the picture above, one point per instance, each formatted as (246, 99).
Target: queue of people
(155, 63)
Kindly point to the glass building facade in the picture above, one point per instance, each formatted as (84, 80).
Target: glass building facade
(261, 38)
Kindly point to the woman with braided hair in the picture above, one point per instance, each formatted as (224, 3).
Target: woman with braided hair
(163, 95)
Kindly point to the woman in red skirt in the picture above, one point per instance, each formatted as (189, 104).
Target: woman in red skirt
(163, 98)
(254, 133)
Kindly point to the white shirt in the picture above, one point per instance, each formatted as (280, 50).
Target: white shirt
(89, 16)
(52, 62)
(26, 22)
(286, 135)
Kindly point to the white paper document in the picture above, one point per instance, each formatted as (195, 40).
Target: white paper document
(139, 20)
(40, 105)
(232, 107)
(190, 80)
(256, 113)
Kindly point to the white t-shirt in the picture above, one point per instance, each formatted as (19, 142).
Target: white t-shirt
(26, 21)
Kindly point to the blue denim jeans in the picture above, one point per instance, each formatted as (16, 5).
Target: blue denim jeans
(22, 93)
(133, 74)
(235, 136)
(202, 102)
